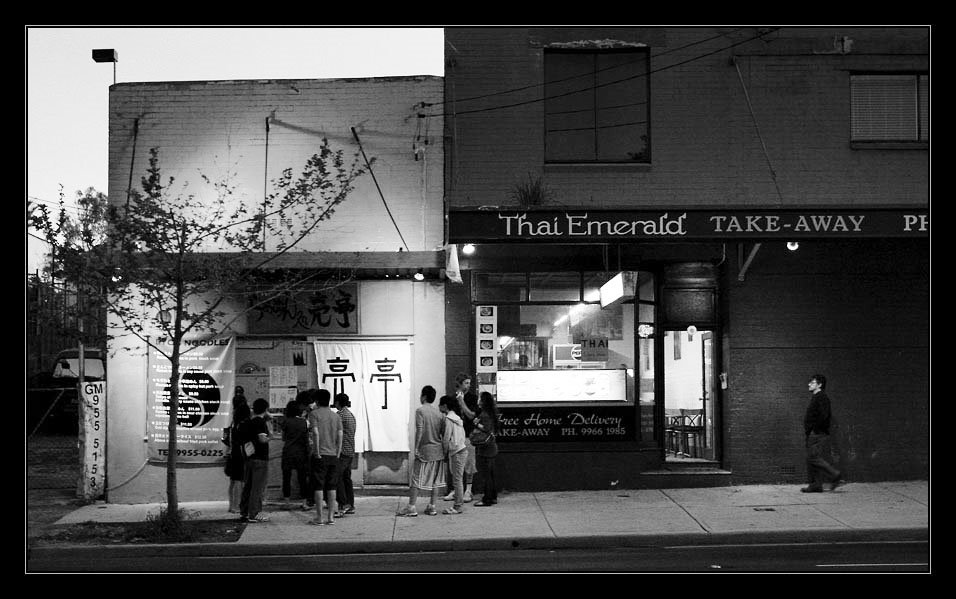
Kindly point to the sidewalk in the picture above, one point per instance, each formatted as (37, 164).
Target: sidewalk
(614, 518)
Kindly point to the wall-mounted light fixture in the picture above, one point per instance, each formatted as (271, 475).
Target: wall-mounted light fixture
(468, 249)
(107, 55)
(792, 246)
(621, 287)
(419, 276)
(690, 332)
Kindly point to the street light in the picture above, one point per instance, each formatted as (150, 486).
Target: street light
(107, 55)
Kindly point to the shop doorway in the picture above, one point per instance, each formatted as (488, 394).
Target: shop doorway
(689, 396)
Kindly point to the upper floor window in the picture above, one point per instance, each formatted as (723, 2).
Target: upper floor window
(889, 107)
(597, 105)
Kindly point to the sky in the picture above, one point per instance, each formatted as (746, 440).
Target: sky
(67, 93)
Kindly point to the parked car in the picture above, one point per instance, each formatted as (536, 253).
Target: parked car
(56, 387)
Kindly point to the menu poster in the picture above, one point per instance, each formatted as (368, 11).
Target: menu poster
(486, 338)
(279, 397)
(206, 383)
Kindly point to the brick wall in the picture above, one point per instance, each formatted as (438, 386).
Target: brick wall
(218, 129)
(856, 312)
(705, 146)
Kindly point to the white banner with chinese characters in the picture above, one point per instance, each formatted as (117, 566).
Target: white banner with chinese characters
(376, 375)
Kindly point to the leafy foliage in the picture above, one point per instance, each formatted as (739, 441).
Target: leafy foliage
(182, 263)
(532, 192)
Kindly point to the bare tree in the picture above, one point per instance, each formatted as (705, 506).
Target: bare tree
(192, 265)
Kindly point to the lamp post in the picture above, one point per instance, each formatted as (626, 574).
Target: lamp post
(107, 55)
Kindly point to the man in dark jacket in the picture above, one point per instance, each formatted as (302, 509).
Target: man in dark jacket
(816, 426)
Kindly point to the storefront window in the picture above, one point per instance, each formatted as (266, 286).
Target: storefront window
(561, 366)
(556, 344)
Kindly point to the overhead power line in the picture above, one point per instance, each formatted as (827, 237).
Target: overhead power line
(616, 66)
(600, 85)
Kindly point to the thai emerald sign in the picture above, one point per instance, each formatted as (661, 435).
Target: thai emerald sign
(677, 225)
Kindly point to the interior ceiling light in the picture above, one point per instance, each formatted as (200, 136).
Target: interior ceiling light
(468, 249)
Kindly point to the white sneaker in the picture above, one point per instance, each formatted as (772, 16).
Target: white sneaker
(449, 497)
(467, 498)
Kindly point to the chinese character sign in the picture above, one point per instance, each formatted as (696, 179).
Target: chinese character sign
(332, 310)
(207, 382)
(377, 378)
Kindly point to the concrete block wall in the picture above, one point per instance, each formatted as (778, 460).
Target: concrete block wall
(218, 129)
(704, 144)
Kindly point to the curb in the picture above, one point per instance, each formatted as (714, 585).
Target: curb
(82, 552)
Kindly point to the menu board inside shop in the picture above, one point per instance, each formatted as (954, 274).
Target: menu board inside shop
(573, 385)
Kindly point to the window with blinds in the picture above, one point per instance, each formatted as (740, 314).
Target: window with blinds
(889, 107)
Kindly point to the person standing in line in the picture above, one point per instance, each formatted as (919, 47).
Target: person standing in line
(326, 431)
(468, 410)
(453, 440)
(308, 399)
(240, 396)
(295, 450)
(487, 421)
(255, 431)
(236, 461)
(816, 427)
(428, 470)
(345, 492)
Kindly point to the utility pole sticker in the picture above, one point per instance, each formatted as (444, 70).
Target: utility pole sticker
(93, 417)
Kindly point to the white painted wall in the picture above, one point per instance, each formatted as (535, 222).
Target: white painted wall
(386, 308)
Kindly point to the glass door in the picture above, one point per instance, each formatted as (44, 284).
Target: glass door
(689, 396)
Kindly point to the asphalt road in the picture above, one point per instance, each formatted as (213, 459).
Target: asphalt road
(851, 557)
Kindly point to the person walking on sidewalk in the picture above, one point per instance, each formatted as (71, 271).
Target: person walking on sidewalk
(345, 491)
(326, 431)
(468, 410)
(254, 434)
(486, 449)
(428, 471)
(453, 440)
(295, 450)
(816, 427)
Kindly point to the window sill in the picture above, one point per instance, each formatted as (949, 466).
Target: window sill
(565, 167)
(889, 145)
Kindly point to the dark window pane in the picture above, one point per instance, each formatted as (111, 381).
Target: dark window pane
(555, 286)
(693, 306)
(500, 287)
(622, 107)
(596, 106)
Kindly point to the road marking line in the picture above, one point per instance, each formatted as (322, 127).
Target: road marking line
(864, 565)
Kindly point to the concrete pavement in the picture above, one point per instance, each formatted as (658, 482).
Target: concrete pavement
(612, 518)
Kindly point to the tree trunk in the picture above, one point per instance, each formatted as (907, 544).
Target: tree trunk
(172, 492)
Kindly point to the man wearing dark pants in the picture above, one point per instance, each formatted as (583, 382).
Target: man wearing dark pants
(326, 431)
(256, 432)
(345, 491)
(816, 426)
